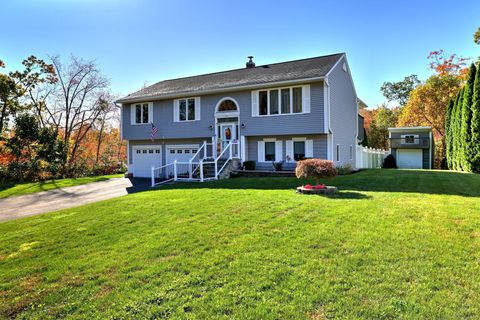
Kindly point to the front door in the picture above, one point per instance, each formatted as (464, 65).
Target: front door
(227, 133)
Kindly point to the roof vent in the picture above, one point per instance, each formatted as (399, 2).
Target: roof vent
(250, 63)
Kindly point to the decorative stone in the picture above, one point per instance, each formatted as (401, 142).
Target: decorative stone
(326, 190)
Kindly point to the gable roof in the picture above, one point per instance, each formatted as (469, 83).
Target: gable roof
(291, 71)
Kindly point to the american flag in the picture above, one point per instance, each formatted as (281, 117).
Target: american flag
(153, 132)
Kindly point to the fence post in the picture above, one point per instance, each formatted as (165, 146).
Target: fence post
(153, 176)
(175, 170)
(190, 173)
(201, 170)
(230, 150)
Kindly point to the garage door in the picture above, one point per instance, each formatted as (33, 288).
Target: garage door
(144, 157)
(181, 153)
(410, 158)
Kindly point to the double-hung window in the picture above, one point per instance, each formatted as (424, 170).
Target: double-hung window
(281, 101)
(142, 113)
(299, 149)
(270, 150)
(186, 109)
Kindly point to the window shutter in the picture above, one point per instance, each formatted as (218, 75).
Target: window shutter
(261, 151)
(132, 114)
(309, 148)
(254, 103)
(306, 98)
(176, 113)
(278, 151)
(197, 108)
(150, 112)
(289, 150)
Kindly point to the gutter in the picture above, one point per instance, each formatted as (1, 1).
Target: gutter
(221, 90)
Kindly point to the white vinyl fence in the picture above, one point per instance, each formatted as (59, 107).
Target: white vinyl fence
(370, 158)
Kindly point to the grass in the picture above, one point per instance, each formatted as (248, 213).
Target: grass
(392, 244)
(17, 189)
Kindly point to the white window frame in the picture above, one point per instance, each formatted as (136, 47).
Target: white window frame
(176, 109)
(278, 150)
(305, 101)
(133, 113)
(416, 139)
(290, 148)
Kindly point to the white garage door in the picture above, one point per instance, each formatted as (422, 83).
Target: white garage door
(181, 153)
(144, 157)
(410, 158)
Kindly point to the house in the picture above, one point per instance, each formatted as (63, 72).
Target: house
(412, 147)
(270, 113)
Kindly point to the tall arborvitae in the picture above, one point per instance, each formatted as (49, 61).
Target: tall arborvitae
(465, 131)
(475, 127)
(448, 134)
(456, 126)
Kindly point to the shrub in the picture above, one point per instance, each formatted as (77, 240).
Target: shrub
(315, 169)
(389, 162)
(249, 165)
(278, 166)
(345, 169)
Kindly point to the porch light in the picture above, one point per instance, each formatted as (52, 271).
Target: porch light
(210, 127)
(243, 126)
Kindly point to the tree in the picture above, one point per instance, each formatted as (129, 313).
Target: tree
(444, 65)
(448, 133)
(400, 91)
(8, 99)
(76, 102)
(456, 128)
(476, 36)
(475, 127)
(465, 153)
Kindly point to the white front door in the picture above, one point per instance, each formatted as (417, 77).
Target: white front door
(410, 158)
(144, 157)
(227, 133)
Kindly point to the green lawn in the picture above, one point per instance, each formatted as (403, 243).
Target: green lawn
(18, 189)
(393, 244)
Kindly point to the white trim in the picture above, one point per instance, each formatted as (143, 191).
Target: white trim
(133, 113)
(243, 149)
(182, 146)
(401, 129)
(326, 107)
(306, 101)
(227, 114)
(176, 109)
(229, 89)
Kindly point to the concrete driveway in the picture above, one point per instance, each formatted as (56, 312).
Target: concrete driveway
(53, 200)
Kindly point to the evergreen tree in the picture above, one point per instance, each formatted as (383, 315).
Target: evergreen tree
(475, 127)
(448, 134)
(465, 131)
(456, 125)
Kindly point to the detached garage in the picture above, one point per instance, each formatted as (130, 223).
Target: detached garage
(412, 147)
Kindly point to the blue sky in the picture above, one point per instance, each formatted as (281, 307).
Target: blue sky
(145, 41)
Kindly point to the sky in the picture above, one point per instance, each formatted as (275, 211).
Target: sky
(138, 42)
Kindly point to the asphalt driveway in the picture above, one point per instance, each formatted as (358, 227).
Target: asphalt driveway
(62, 198)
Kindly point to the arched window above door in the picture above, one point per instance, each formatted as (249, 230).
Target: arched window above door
(227, 105)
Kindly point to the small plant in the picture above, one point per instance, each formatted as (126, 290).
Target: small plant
(389, 162)
(249, 165)
(315, 169)
(278, 165)
(345, 169)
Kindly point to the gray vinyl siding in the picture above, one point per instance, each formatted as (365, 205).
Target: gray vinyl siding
(319, 149)
(343, 114)
(162, 143)
(311, 123)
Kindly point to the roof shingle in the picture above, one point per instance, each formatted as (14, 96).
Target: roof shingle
(277, 72)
